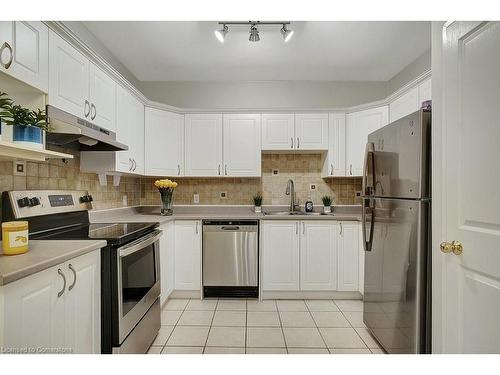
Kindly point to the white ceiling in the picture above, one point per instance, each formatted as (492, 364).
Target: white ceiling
(338, 51)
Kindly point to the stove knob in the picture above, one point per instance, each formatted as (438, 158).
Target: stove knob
(34, 202)
(23, 202)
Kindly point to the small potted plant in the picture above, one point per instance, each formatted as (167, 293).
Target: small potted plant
(257, 202)
(166, 189)
(327, 203)
(28, 125)
(5, 105)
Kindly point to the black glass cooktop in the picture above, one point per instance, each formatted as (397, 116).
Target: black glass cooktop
(113, 233)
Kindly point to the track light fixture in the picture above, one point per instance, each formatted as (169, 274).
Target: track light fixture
(254, 31)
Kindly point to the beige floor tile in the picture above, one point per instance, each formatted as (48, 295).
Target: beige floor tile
(176, 304)
(349, 305)
(303, 338)
(229, 318)
(296, 319)
(232, 305)
(367, 338)
(222, 350)
(182, 350)
(188, 336)
(377, 351)
(227, 336)
(154, 349)
(266, 351)
(350, 351)
(170, 317)
(163, 335)
(196, 318)
(198, 304)
(355, 318)
(344, 338)
(321, 305)
(308, 351)
(256, 305)
(265, 338)
(330, 319)
(263, 319)
(291, 305)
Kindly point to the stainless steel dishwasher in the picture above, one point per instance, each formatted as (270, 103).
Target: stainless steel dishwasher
(231, 258)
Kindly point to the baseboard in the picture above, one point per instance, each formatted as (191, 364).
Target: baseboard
(311, 295)
(196, 294)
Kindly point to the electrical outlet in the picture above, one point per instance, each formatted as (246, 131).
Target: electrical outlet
(196, 198)
(223, 195)
(124, 200)
(312, 187)
(358, 193)
(20, 168)
(276, 172)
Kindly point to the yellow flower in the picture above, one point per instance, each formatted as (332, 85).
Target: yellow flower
(165, 184)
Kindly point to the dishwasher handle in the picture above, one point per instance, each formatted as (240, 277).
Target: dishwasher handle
(234, 227)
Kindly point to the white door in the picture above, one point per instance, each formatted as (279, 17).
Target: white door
(335, 161)
(470, 292)
(318, 255)
(68, 77)
(29, 41)
(280, 255)
(405, 104)
(102, 99)
(278, 131)
(83, 303)
(164, 143)
(348, 256)
(241, 142)
(311, 131)
(187, 256)
(203, 144)
(166, 261)
(358, 126)
(33, 312)
(424, 91)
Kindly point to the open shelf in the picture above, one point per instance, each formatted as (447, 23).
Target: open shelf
(11, 151)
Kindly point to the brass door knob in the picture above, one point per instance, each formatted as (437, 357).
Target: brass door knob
(446, 247)
(455, 247)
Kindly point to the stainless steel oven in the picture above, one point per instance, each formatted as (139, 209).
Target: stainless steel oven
(138, 281)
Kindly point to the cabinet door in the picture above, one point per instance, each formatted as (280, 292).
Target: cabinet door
(166, 261)
(335, 162)
(278, 131)
(138, 132)
(102, 98)
(34, 315)
(203, 144)
(348, 257)
(29, 41)
(124, 128)
(241, 140)
(83, 303)
(187, 256)
(358, 126)
(164, 143)
(424, 91)
(404, 105)
(280, 255)
(68, 77)
(318, 255)
(311, 131)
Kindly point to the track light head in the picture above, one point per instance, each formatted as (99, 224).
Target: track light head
(221, 34)
(254, 34)
(287, 34)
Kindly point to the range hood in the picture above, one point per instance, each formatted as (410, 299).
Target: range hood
(73, 132)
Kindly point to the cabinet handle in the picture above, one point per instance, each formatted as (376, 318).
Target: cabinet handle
(331, 167)
(298, 142)
(303, 228)
(8, 63)
(218, 170)
(178, 169)
(135, 164)
(92, 107)
(196, 227)
(350, 169)
(74, 274)
(225, 169)
(129, 164)
(297, 228)
(64, 285)
(341, 229)
(86, 112)
(291, 144)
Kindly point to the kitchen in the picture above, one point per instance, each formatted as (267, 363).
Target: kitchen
(181, 204)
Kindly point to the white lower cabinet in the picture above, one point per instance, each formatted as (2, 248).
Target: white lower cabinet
(44, 312)
(167, 245)
(348, 257)
(187, 256)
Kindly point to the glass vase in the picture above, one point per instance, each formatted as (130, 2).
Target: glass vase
(166, 202)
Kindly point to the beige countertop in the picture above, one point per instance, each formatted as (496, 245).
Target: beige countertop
(152, 214)
(42, 255)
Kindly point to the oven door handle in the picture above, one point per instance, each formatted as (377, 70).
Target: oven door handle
(139, 244)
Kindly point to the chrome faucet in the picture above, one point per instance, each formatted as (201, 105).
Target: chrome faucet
(290, 190)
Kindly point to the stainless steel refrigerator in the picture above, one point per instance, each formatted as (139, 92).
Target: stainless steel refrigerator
(396, 234)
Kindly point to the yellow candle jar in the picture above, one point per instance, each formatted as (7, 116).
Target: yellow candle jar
(15, 237)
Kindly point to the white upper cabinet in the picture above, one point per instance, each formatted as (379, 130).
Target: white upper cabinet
(335, 160)
(424, 91)
(358, 126)
(164, 143)
(404, 105)
(311, 131)
(348, 257)
(203, 144)
(241, 145)
(102, 97)
(68, 77)
(278, 131)
(24, 55)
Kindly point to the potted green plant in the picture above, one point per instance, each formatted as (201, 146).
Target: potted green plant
(257, 202)
(5, 105)
(327, 203)
(28, 125)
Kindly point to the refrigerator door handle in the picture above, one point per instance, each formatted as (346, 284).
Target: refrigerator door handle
(367, 244)
(369, 155)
